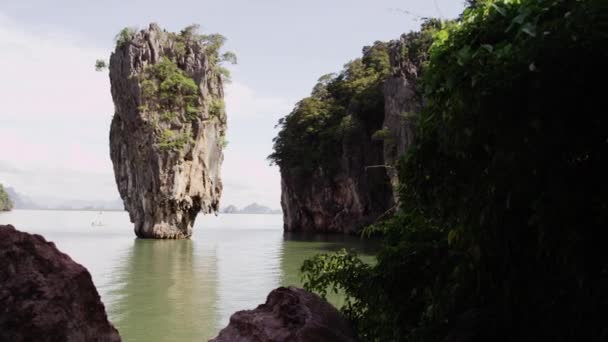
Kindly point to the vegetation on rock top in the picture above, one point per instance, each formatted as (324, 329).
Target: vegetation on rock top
(169, 95)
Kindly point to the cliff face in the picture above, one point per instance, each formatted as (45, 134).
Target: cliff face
(168, 130)
(402, 100)
(339, 201)
(360, 184)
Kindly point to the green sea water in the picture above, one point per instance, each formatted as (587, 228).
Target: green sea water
(182, 290)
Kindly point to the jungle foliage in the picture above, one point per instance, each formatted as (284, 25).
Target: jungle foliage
(164, 86)
(501, 231)
(169, 94)
(312, 134)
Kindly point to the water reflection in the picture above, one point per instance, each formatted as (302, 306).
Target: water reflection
(165, 290)
(298, 247)
(158, 291)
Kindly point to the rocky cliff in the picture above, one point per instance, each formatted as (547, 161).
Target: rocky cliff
(338, 149)
(168, 130)
(403, 98)
(340, 201)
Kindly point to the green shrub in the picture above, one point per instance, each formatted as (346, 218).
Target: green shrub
(229, 57)
(169, 116)
(382, 134)
(100, 65)
(223, 142)
(171, 140)
(125, 35)
(164, 86)
(216, 107)
(192, 112)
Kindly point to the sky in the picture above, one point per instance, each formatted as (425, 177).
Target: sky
(56, 110)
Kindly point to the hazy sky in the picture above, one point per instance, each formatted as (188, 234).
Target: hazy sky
(56, 110)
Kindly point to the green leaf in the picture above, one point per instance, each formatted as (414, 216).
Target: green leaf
(464, 55)
(529, 29)
(520, 18)
(452, 235)
(500, 10)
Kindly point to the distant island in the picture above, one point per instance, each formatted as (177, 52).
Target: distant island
(253, 208)
(20, 201)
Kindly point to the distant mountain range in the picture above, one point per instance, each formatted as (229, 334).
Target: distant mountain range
(253, 208)
(24, 202)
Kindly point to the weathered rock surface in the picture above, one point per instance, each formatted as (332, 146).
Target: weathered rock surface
(341, 202)
(166, 138)
(401, 103)
(45, 295)
(289, 314)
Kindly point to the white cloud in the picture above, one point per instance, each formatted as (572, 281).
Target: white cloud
(243, 103)
(247, 175)
(47, 76)
(56, 112)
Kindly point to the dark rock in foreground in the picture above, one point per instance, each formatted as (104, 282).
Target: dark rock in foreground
(45, 295)
(289, 314)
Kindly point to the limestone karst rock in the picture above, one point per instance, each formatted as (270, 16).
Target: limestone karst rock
(289, 314)
(168, 130)
(45, 295)
(358, 183)
(402, 100)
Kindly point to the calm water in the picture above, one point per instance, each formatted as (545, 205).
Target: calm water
(185, 290)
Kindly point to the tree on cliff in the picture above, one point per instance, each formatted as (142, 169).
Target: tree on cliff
(502, 230)
(5, 201)
(310, 135)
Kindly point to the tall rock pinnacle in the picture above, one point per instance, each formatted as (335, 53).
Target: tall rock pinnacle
(168, 130)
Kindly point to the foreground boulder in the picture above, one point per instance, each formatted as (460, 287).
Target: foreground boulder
(45, 295)
(169, 127)
(289, 314)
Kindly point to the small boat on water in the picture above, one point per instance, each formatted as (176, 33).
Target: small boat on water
(97, 222)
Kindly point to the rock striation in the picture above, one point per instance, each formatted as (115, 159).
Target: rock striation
(45, 295)
(402, 100)
(168, 130)
(341, 201)
(289, 314)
